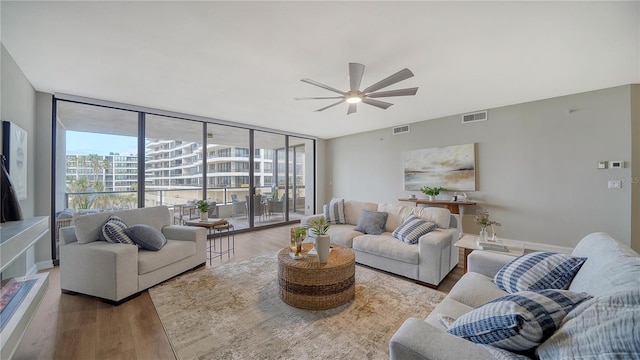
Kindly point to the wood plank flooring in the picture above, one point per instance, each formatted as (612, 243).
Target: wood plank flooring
(81, 327)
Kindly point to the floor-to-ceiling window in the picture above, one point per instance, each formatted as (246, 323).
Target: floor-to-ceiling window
(112, 156)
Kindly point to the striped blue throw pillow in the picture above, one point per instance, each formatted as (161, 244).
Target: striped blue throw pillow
(113, 231)
(334, 212)
(538, 270)
(517, 322)
(412, 229)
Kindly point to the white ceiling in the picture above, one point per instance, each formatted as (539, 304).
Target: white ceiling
(243, 61)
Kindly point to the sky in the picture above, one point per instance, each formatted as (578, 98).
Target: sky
(84, 143)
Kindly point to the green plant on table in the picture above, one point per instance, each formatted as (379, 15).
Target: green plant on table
(432, 191)
(482, 218)
(202, 205)
(319, 226)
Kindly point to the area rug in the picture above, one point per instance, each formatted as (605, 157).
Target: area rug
(234, 312)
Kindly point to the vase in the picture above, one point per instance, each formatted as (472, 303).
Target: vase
(483, 234)
(430, 197)
(204, 215)
(322, 246)
(296, 243)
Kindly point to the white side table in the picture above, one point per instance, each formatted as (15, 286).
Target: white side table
(469, 243)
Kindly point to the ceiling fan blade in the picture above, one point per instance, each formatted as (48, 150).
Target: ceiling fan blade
(397, 77)
(319, 98)
(356, 71)
(327, 87)
(399, 92)
(377, 103)
(332, 105)
(352, 108)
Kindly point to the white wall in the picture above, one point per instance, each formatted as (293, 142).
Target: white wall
(536, 165)
(18, 98)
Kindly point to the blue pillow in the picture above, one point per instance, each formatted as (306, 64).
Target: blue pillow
(146, 236)
(412, 229)
(517, 322)
(538, 270)
(372, 222)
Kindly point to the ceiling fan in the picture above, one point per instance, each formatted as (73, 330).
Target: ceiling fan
(368, 95)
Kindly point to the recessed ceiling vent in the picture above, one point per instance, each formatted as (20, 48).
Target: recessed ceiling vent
(401, 129)
(477, 116)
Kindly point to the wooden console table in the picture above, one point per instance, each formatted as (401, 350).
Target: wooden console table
(456, 207)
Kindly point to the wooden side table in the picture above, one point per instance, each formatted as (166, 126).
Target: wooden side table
(469, 243)
(216, 227)
(307, 284)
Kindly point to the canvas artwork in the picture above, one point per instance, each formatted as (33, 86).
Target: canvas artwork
(451, 167)
(14, 148)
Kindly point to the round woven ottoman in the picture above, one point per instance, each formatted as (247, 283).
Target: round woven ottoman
(307, 284)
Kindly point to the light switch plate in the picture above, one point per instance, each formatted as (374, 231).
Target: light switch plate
(602, 164)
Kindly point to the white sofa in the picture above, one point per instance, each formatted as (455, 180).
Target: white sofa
(116, 272)
(612, 270)
(427, 262)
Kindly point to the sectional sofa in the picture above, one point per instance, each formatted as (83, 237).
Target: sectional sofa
(427, 262)
(602, 327)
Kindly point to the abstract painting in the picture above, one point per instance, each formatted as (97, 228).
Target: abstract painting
(451, 167)
(14, 148)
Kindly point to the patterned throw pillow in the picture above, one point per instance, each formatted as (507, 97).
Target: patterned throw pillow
(517, 322)
(113, 231)
(538, 270)
(372, 222)
(412, 229)
(146, 236)
(334, 212)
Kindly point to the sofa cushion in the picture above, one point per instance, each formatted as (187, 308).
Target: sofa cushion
(146, 236)
(412, 229)
(475, 289)
(387, 246)
(610, 267)
(372, 222)
(353, 209)
(538, 270)
(604, 326)
(342, 234)
(397, 215)
(88, 227)
(447, 307)
(172, 252)
(334, 211)
(517, 322)
(440, 216)
(114, 232)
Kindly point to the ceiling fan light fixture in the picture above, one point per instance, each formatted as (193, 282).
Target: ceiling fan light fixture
(354, 99)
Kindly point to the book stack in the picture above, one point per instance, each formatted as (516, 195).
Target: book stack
(493, 246)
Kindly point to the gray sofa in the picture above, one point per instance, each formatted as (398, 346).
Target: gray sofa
(611, 269)
(115, 272)
(427, 262)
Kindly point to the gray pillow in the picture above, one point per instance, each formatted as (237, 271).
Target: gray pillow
(372, 222)
(146, 236)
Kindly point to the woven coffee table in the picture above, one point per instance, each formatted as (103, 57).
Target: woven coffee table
(307, 284)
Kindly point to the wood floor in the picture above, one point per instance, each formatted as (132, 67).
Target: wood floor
(81, 327)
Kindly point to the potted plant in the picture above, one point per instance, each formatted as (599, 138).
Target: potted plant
(432, 191)
(203, 207)
(319, 228)
(482, 218)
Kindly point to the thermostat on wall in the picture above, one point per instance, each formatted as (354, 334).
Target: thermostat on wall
(616, 164)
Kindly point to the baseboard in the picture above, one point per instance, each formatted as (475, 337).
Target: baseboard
(43, 265)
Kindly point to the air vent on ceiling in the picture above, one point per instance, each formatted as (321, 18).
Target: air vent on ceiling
(477, 116)
(401, 129)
